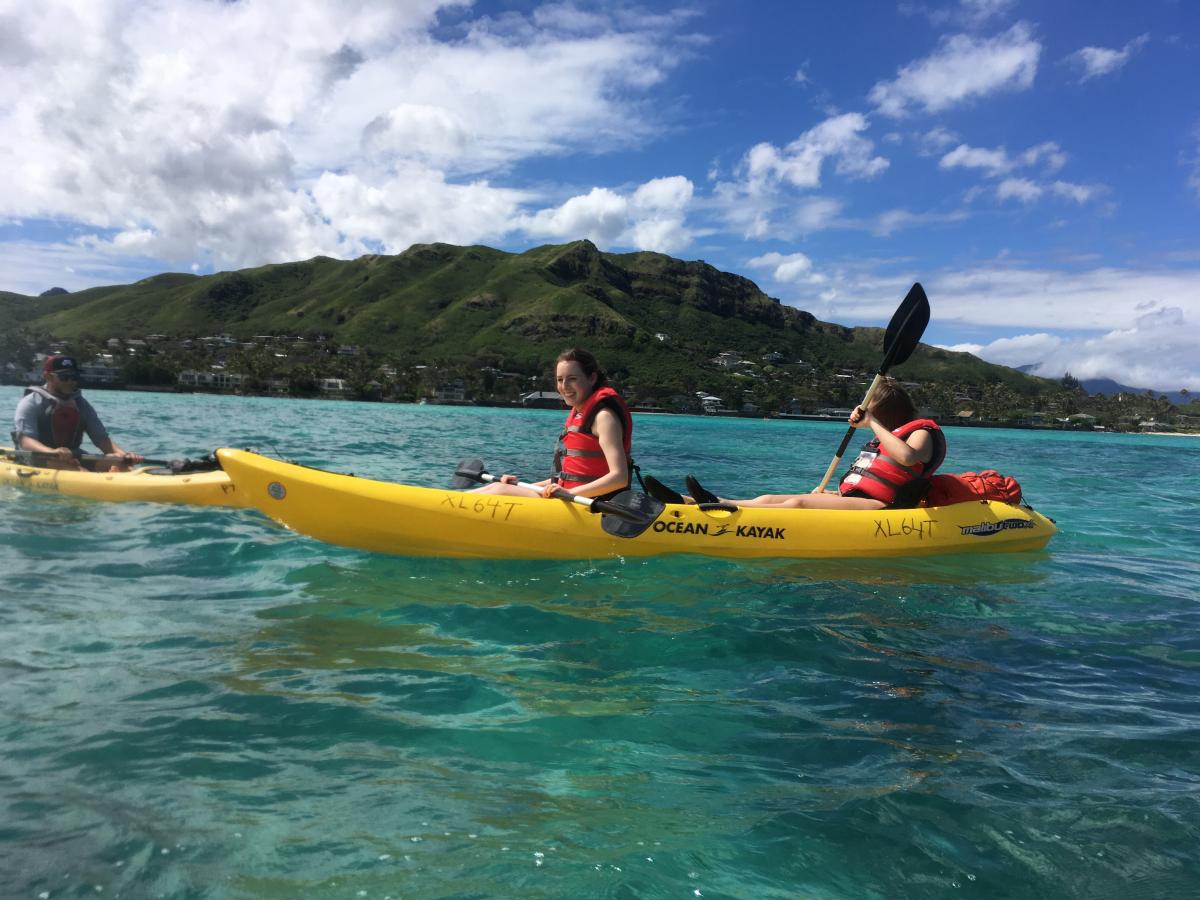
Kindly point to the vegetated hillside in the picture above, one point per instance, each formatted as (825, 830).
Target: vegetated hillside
(438, 302)
(14, 309)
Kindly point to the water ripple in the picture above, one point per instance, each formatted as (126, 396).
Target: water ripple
(196, 703)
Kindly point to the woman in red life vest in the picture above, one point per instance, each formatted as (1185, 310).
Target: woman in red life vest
(892, 469)
(592, 456)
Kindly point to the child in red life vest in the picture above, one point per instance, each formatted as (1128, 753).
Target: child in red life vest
(592, 456)
(892, 469)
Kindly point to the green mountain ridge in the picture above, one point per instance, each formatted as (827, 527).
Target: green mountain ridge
(440, 303)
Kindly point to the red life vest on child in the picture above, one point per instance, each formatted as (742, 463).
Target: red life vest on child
(878, 476)
(59, 421)
(578, 458)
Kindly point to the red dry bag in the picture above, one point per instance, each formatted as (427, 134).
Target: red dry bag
(989, 484)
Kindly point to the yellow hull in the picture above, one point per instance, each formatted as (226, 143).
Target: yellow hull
(143, 484)
(416, 521)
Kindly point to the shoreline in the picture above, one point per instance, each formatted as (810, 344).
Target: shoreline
(654, 411)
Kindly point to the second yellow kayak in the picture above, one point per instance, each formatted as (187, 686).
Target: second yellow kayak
(144, 483)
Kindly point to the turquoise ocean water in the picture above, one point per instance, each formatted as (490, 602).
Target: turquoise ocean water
(196, 703)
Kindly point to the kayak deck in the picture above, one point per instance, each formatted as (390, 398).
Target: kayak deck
(143, 483)
(416, 521)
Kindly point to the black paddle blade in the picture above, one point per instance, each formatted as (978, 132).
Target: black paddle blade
(629, 513)
(207, 463)
(905, 330)
(467, 473)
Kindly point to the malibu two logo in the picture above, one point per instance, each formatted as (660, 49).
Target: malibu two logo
(987, 529)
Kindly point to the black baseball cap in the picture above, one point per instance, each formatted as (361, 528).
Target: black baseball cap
(60, 364)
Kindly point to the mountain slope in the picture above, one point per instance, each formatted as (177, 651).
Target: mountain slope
(438, 302)
(1111, 388)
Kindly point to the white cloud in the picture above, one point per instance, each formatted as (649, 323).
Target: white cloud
(894, 220)
(32, 267)
(239, 133)
(1155, 350)
(992, 162)
(667, 194)
(600, 215)
(1019, 189)
(1049, 154)
(1057, 301)
(1029, 192)
(1137, 326)
(813, 214)
(799, 164)
(996, 162)
(964, 68)
(1018, 350)
(658, 209)
(651, 218)
(1094, 62)
(758, 201)
(961, 348)
(414, 204)
(568, 17)
(977, 12)
(1092, 300)
(416, 130)
(968, 13)
(937, 139)
(1080, 193)
(794, 268)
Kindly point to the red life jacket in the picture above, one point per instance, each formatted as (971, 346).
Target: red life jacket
(578, 458)
(59, 421)
(878, 476)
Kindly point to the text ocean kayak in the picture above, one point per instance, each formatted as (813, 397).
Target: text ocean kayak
(417, 521)
(144, 483)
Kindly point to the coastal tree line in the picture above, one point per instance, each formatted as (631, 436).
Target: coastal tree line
(757, 384)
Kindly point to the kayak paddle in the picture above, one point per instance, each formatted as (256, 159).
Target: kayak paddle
(645, 512)
(640, 515)
(177, 466)
(899, 341)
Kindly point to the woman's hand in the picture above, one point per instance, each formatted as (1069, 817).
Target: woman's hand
(508, 479)
(554, 490)
(860, 418)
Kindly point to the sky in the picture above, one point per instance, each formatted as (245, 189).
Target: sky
(1036, 166)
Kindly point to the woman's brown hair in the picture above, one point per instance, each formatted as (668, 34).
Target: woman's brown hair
(891, 405)
(587, 362)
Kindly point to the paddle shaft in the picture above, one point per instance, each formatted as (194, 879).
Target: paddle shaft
(90, 458)
(849, 435)
(120, 459)
(591, 503)
(903, 332)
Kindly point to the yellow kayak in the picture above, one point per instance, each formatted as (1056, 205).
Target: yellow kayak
(145, 483)
(418, 521)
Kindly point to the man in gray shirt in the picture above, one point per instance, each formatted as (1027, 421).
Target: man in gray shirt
(51, 421)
